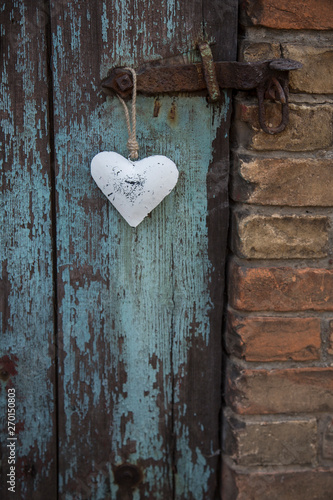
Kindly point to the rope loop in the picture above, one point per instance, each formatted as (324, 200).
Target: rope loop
(132, 143)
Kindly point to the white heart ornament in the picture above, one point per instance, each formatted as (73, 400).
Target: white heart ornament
(134, 188)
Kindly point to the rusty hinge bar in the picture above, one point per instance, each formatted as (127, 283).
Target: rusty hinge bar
(269, 78)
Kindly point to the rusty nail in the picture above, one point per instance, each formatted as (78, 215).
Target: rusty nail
(29, 470)
(127, 475)
(4, 375)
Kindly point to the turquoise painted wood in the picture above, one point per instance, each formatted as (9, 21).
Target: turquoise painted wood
(27, 355)
(133, 303)
(123, 361)
(140, 366)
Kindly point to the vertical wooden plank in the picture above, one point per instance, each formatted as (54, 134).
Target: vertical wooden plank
(197, 383)
(220, 27)
(197, 315)
(135, 306)
(26, 304)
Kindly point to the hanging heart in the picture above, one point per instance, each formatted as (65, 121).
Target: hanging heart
(134, 188)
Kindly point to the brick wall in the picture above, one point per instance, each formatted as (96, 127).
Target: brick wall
(278, 425)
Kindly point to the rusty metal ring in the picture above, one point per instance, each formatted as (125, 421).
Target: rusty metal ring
(284, 112)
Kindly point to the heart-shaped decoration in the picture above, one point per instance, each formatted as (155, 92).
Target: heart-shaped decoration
(134, 188)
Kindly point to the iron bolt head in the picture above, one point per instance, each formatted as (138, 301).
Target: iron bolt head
(124, 82)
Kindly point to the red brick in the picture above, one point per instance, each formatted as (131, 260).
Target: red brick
(280, 288)
(292, 390)
(288, 14)
(273, 338)
(307, 484)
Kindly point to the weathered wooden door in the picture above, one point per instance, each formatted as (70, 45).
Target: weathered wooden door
(111, 336)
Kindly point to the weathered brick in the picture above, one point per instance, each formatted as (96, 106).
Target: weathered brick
(265, 339)
(316, 76)
(282, 181)
(279, 237)
(274, 442)
(309, 127)
(330, 338)
(327, 437)
(280, 288)
(292, 390)
(288, 14)
(239, 483)
(257, 51)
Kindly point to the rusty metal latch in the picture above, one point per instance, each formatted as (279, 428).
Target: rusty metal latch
(270, 79)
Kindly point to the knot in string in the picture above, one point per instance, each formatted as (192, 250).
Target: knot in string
(133, 148)
(132, 144)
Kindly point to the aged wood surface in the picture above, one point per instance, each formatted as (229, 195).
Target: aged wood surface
(139, 309)
(26, 302)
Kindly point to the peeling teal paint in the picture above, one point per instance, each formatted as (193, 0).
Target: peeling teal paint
(121, 308)
(26, 246)
(105, 24)
(75, 30)
(144, 301)
(131, 302)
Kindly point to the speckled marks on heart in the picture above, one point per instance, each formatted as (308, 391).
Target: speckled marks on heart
(131, 187)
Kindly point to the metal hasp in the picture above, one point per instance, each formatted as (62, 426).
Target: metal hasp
(270, 78)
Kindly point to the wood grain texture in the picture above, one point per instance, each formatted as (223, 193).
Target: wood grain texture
(26, 306)
(139, 309)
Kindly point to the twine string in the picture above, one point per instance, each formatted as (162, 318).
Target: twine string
(132, 143)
